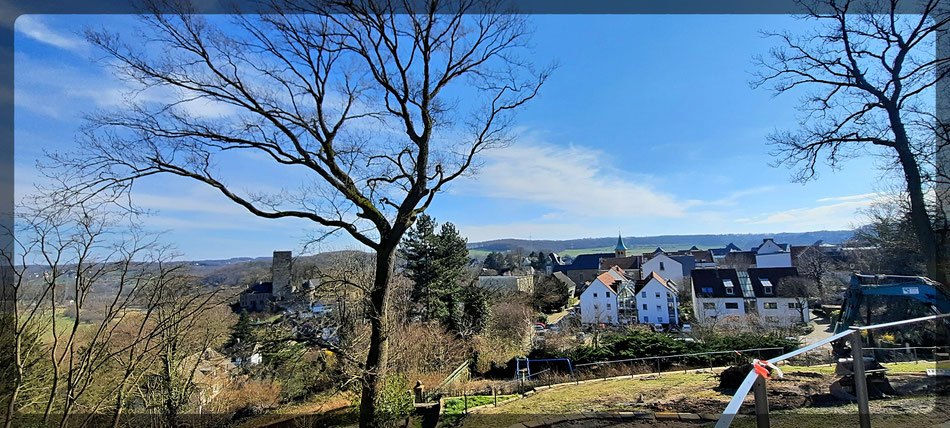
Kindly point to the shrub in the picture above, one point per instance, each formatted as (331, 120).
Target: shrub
(395, 401)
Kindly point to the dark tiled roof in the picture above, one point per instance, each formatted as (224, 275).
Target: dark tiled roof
(688, 262)
(565, 279)
(774, 275)
(724, 250)
(702, 256)
(740, 258)
(584, 261)
(719, 251)
(261, 288)
(712, 278)
(632, 262)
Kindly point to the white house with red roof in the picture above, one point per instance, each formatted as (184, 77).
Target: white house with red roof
(657, 301)
(599, 299)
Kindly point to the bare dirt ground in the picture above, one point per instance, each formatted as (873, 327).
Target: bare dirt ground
(801, 400)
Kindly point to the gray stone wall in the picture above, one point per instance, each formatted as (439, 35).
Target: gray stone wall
(281, 274)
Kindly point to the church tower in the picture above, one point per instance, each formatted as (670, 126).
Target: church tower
(620, 250)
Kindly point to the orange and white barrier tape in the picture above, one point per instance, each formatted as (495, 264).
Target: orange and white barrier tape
(762, 367)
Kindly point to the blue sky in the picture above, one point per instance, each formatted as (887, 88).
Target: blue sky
(648, 126)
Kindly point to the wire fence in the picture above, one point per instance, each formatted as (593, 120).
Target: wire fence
(827, 351)
(703, 362)
(708, 362)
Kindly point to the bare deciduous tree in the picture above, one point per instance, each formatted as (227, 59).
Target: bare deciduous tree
(873, 71)
(362, 100)
(814, 264)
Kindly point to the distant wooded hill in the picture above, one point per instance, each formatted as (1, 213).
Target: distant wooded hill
(668, 242)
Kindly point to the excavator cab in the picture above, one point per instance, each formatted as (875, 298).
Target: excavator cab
(931, 295)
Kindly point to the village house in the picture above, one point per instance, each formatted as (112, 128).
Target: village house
(583, 269)
(778, 304)
(718, 254)
(717, 294)
(599, 299)
(675, 268)
(656, 300)
(568, 282)
(507, 283)
(770, 254)
(727, 293)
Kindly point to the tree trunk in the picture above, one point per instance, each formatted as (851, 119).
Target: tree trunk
(11, 405)
(118, 406)
(377, 358)
(942, 103)
(918, 207)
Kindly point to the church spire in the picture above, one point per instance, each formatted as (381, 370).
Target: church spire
(620, 250)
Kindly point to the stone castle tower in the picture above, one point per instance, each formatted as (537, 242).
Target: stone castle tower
(281, 276)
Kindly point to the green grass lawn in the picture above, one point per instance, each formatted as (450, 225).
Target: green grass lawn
(624, 394)
(63, 326)
(919, 367)
(456, 406)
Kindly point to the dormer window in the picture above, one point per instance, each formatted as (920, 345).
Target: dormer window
(766, 285)
(730, 288)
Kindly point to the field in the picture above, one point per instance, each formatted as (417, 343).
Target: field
(800, 399)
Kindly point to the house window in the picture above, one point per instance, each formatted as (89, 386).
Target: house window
(766, 285)
(646, 319)
(770, 305)
(732, 305)
(643, 294)
(661, 266)
(609, 319)
(709, 306)
(660, 319)
(659, 308)
(596, 307)
(730, 288)
(595, 294)
(608, 294)
(644, 306)
(794, 305)
(608, 306)
(658, 295)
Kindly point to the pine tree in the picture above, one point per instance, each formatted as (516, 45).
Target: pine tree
(419, 250)
(539, 261)
(435, 263)
(242, 331)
